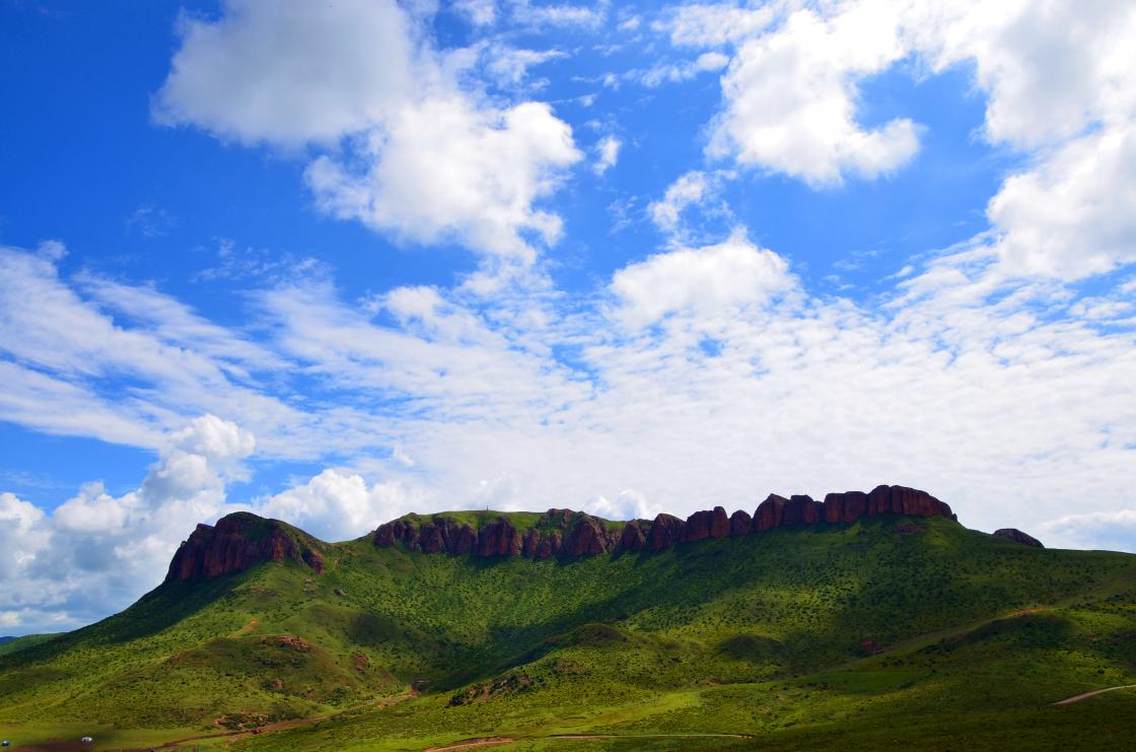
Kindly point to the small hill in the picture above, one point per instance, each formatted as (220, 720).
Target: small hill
(863, 621)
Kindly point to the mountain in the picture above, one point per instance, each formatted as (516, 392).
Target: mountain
(864, 621)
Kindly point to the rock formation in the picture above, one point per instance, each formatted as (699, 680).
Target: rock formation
(1017, 536)
(741, 524)
(563, 532)
(240, 541)
(666, 531)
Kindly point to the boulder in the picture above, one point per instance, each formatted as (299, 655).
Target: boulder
(1017, 536)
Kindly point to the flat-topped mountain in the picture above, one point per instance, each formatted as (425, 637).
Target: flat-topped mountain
(565, 532)
(866, 620)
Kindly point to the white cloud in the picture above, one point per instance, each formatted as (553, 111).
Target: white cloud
(336, 504)
(714, 24)
(558, 14)
(479, 12)
(707, 62)
(1114, 530)
(704, 281)
(607, 154)
(445, 171)
(790, 98)
(1058, 83)
(689, 189)
(692, 190)
(420, 156)
(509, 65)
(291, 74)
(1073, 215)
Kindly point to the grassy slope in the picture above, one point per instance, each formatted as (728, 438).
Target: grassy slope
(760, 636)
(15, 644)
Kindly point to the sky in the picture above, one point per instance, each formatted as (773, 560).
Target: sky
(334, 262)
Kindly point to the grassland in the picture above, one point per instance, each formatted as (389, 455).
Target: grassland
(883, 635)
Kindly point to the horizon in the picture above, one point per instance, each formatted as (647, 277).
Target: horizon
(340, 262)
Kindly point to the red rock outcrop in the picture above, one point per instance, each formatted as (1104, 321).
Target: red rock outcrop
(801, 510)
(633, 537)
(666, 531)
(1017, 536)
(586, 538)
(845, 507)
(240, 541)
(741, 524)
(531, 543)
(563, 532)
(550, 543)
(769, 513)
(706, 524)
(499, 538)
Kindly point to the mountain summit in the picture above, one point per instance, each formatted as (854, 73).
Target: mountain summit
(869, 620)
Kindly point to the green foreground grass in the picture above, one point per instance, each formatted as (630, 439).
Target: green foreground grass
(887, 634)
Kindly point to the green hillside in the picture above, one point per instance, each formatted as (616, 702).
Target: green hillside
(891, 633)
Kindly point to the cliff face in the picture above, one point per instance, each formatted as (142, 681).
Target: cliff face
(238, 542)
(562, 532)
(557, 532)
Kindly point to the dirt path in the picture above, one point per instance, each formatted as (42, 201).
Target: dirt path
(489, 741)
(493, 741)
(1094, 693)
(585, 737)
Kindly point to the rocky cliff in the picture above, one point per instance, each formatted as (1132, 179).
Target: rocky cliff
(563, 532)
(238, 542)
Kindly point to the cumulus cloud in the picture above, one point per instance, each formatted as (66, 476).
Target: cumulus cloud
(704, 281)
(290, 74)
(1058, 87)
(446, 171)
(790, 98)
(337, 504)
(420, 156)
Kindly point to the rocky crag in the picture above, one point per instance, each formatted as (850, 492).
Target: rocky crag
(238, 542)
(241, 540)
(565, 533)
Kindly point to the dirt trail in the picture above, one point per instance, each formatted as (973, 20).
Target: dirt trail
(585, 737)
(493, 741)
(489, 741)
(1094, 693)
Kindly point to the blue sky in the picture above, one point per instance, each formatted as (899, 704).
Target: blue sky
(360, 258)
